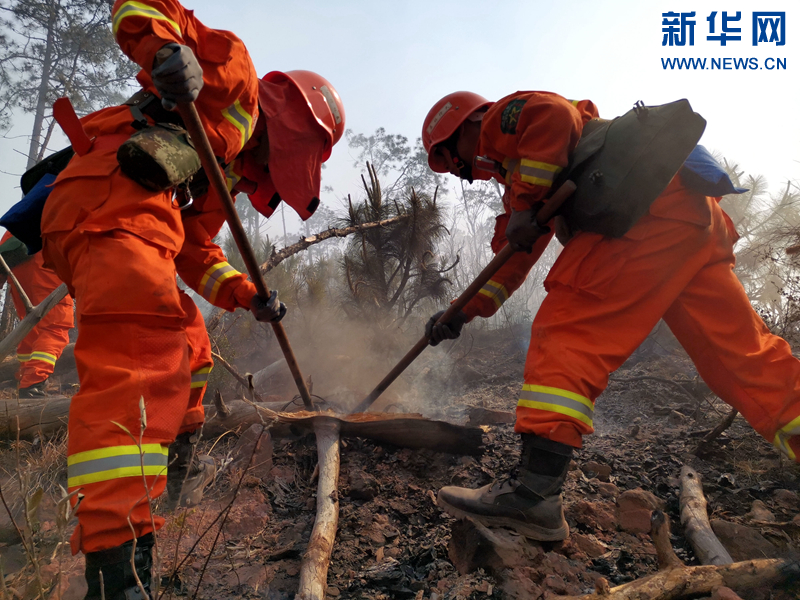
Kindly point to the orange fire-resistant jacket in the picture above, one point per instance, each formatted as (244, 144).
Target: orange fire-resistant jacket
(531, 134)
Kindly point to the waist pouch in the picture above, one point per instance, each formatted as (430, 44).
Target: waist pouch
(159, 157)
(621, 166)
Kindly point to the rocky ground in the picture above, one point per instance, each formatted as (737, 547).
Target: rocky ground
(394, 542)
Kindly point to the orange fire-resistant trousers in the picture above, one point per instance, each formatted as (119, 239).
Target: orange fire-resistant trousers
(133, 344)
(38, 352)
(605, 295)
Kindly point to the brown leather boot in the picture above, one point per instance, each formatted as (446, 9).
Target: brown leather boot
(528, 501)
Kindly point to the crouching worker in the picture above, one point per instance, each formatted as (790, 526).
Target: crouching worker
(118, 226)
(671, 259)
(38, 352)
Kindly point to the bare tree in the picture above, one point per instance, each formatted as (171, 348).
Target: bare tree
(53, 48)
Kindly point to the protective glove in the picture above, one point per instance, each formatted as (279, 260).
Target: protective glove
(523, 230)
(270, 311)
(179, 78)
(438, 332)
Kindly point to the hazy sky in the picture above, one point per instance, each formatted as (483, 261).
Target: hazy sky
(390, 61)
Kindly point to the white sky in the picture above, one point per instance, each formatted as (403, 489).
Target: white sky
(390, 61)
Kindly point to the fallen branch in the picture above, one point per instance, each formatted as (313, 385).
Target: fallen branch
(659, 531)
(24, 327)
(694, 518)
(64, 365)
(314, 568)
(702, 447)
(692, 582)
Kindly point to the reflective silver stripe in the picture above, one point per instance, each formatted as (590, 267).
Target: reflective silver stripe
(237, 116)
(556, 400)
(496, 291)
(200, 377)
(44, 357)
(213, 278)
(537, 173)
(116, 462)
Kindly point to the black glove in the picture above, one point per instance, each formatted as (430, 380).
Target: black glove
(179, 78)
(523, 230)
(438, 332)
(270, 311)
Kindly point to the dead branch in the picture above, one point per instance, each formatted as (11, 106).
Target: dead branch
(26, 302)
(242, 381)
(692, 582)
(333, 232)
(260, 377)
(314, 568)
(714, 433)
(12, 340)
(659, 531)
(694, 518)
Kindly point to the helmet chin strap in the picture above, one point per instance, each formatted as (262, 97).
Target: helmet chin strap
(464, 168)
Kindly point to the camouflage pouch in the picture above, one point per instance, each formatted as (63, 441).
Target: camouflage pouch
(159, 157)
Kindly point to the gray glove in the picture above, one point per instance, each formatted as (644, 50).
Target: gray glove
(271, 311)
(179, 78)
(438, 332)
(523, 230)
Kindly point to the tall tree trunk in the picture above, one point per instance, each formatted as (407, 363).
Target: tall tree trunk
(44, 85)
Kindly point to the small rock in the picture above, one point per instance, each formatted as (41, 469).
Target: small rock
(634, 509)
(473, 546)
(592, 468)
(786, 499)
(589, 544)
(742, 542)
(724, 593)
(333, 592)
(555, 583)
(760, 512)
(727, 480)
(607, 490)
(363, 486)
(597, 515)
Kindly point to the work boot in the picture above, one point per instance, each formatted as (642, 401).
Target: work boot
(528, 501)
(187, 477)
(34, 391)
(119, 581)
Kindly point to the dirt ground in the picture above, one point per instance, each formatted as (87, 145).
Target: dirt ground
(394, 542)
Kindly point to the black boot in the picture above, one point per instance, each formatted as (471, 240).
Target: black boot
(187, 477)
(529, 501)
(119, 582)
(34, 391)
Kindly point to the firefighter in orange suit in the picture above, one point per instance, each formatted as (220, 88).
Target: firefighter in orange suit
(38, 352)
(119, 246)
(604, 297)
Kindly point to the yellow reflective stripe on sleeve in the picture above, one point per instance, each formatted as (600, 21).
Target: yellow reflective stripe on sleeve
(23, 357)
(538, 173)
(231, 176)
(496, 291)
(200, 377)
(510, 165)
(781, 441)
(575, 103)
(213, 279)
(240, 119)
(116, 462)
(556, 400)
(139, 9)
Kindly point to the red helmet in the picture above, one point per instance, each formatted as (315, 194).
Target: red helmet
(322, 98)
(444, 118)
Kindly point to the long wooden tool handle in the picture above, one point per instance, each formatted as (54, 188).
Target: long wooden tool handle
(194, 126)
(543, 216)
